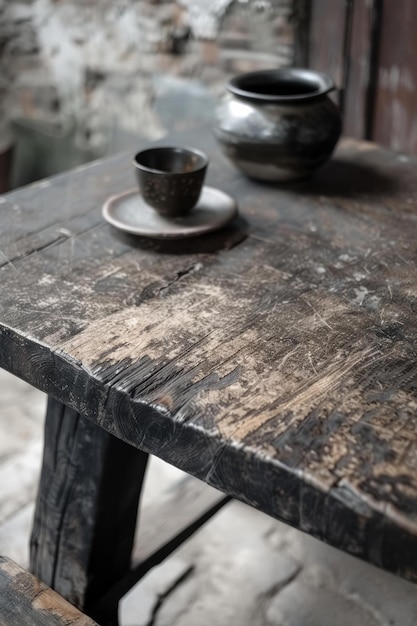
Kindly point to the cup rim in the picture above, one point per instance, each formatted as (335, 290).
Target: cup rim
(151, 170)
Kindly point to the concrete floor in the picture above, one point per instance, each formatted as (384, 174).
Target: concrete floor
(242, 568)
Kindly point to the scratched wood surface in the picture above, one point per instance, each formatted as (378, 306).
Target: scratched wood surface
(26, 601)
(275, 360)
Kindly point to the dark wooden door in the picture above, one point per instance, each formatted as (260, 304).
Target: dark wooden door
(370, 49)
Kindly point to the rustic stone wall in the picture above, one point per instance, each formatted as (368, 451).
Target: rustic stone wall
(94, 71)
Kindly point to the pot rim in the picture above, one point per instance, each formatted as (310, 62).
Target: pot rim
(316, 84)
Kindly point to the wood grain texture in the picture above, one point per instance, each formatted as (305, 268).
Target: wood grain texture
(86, 510)
(326, 38)
(359, 105)
(275, 360)
(26, 601)
(377, 68)
(396, 99)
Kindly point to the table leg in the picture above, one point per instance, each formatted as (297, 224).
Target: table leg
(86, 508)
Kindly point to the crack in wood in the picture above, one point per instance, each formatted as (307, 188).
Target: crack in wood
(187, 271)
(23, 255)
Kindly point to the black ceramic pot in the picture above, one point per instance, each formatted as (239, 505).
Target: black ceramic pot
(278, 124)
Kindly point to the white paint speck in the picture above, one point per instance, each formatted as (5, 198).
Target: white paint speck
(359, 276)
(46, 280)
(361, 293)
(346, 258)
(373, 302)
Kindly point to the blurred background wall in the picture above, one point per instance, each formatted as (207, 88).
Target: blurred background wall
(84, 78)
(81, 79)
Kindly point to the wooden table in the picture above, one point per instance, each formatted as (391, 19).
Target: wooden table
(276, 360)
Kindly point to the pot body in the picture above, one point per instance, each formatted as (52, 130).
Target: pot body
(273, 138)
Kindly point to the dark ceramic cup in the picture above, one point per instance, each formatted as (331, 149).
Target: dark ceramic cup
(171, 178)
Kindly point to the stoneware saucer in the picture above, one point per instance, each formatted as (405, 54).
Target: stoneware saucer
(129, 212)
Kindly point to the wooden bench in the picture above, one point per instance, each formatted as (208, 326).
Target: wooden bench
(25, 600)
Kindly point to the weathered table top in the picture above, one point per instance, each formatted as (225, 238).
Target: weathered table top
(276, 360)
